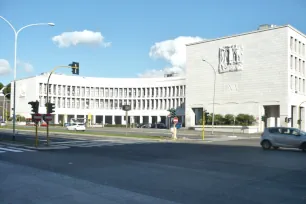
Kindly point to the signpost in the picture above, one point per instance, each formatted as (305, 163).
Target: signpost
(175, 121)
(126, 108)
(37, 118)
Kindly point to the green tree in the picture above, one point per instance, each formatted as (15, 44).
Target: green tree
(1, 85)
(172, 112)
(229, 119)
(7, 91)
(219, 119)
(245, 119)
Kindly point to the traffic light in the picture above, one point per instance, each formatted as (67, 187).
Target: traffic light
(50, 107)
(75, 67)
(35, 106)
(263, 118)
(206, 115)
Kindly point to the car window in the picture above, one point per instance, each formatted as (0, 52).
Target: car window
(290, 131)
(274, 130)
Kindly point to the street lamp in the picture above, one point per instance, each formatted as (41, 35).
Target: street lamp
(213, 116)
(15, 61)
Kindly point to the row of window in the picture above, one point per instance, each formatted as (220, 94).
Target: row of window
(297, 64)
(113, 104)
(297, 84)
(65, 90)
(297, 46)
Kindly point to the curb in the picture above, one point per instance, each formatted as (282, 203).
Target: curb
(48, 148)
(19, 132)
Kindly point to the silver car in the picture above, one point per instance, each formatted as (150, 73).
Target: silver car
(275, 137)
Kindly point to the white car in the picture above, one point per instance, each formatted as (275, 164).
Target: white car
(77, 127)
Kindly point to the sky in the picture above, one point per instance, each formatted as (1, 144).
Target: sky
(120, 38)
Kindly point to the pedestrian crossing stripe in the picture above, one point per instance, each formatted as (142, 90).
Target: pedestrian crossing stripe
(14, 149)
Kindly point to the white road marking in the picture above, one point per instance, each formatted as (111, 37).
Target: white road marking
(10, 150)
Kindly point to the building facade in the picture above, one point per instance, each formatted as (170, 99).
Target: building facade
(260, 73)
(100, 99)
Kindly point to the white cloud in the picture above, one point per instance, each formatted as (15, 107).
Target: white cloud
(172, 51)
(4, 67)
(68, 39)
(26, 66)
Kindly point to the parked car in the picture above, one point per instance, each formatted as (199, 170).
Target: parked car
(3, 123)
(77, 127)
(276, 137)
(159, 126)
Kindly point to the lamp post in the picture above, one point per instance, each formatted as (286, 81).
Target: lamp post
(213, 116)
(15, 61)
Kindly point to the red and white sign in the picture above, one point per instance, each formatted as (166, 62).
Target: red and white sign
(48, 117)
(175, 119)
(37, 117)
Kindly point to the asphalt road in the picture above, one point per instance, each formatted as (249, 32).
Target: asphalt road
(235, 172)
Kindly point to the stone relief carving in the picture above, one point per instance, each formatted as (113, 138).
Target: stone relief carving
(22, 92)
(230, 58)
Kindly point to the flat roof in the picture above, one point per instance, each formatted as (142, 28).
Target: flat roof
(247, 33)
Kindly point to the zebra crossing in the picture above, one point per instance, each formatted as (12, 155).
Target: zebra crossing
(13, 149)
(97, 143)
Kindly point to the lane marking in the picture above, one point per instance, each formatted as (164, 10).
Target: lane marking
(10, 150)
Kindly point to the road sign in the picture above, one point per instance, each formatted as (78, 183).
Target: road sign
(175, 119)
(169, 116)
(48, 117)
(37, 117)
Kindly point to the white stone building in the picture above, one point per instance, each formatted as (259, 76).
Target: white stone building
(259, 73)
(101, 98)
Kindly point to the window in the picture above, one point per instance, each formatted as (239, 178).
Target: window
(68, 90)
(295, 45)
(87, 92)
(303, 87)
(97, 92)
(59, 90)
(296, 84)
(296, 64)
(83, 91)
(40, 88)
(106, 92)
(291, 43)
(78, 91)
(78, 103)
(73, 103)
(291, 82)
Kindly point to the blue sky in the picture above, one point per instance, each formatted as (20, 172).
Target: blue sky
(132, 27)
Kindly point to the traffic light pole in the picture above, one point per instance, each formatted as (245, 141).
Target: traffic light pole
(54, 69)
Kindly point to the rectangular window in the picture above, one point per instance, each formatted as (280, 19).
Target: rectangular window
(40, 88)
(303, 88)
(54, 89)
(291, 43)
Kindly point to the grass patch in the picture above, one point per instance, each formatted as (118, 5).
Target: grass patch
(127, 135)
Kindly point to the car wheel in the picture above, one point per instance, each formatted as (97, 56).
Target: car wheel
(303, 147)
(266, 144)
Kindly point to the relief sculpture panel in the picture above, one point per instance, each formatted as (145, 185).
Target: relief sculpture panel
(230, 58)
